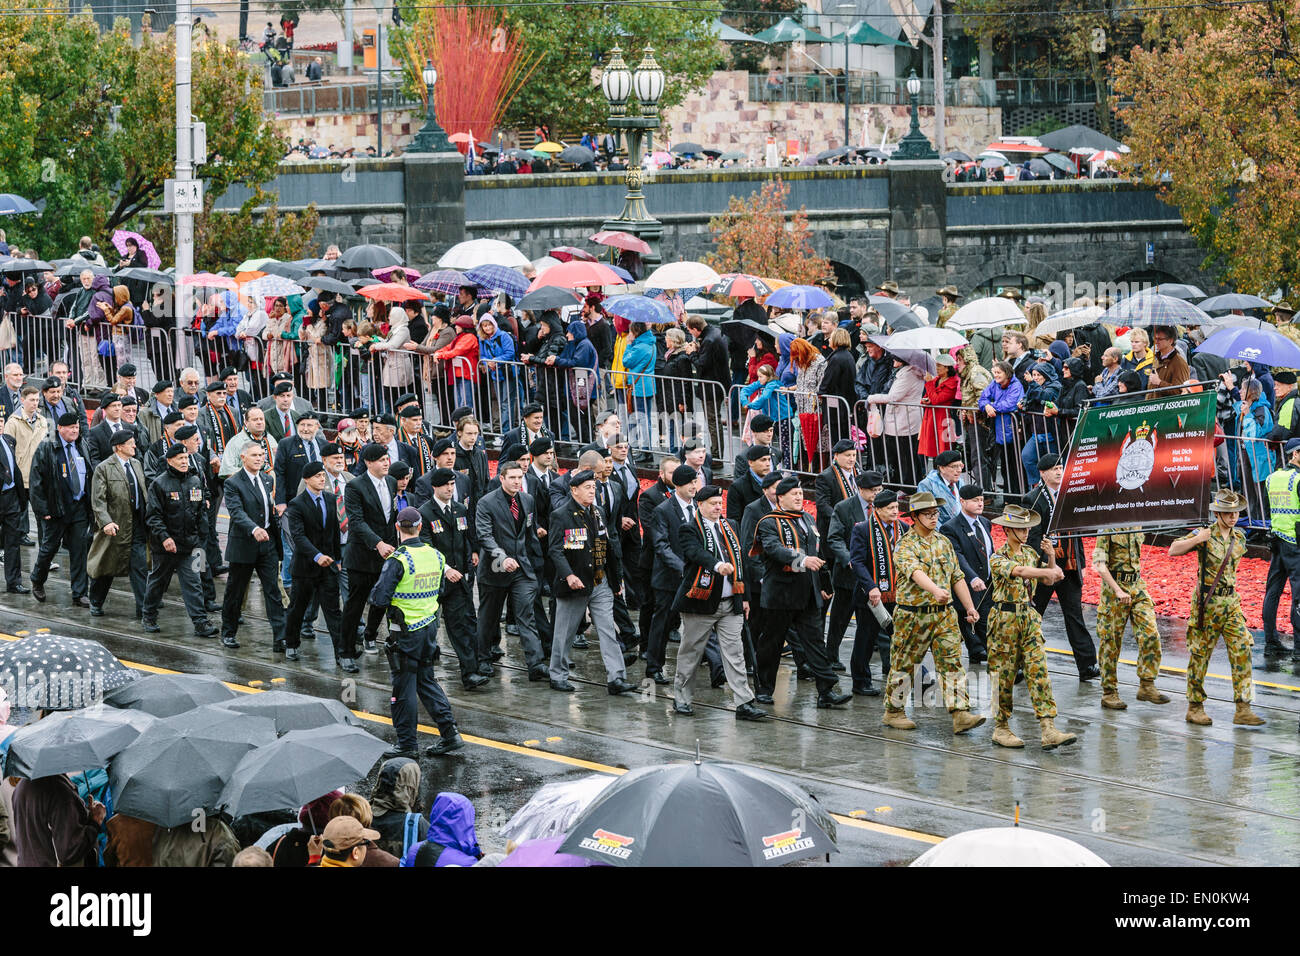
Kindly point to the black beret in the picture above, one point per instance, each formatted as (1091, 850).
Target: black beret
(1284, 377)
(171, 418)
(399, 470)
(868, 479)
(161, 386)
(309, 413)
(175, 451)
(707, 492)
(599, 449)
(1048, 461)
(386, 419)
(69, 418)
(374, 452)
(227, 372)
(540, 447)
(581, 476)
(771, 478)
(312, 468)
(126, 371)
(186, 431)
(129, 399)
(185, 401)
(463, 412)
(108, 398)
(52, 382)
(844, 444)
(513, 453)
(787, 485)
(361, 413)
(886, 497)
(217, 386)
(532, 408)
(282, 377)
(969, 492)
(946, 458)
(407, 397)
(410, 411)
(282, 388)
(761, 423)
(756, 452)
(441, 445)
(441, 476)
(121, 435)
(330, 449)
(683, 475)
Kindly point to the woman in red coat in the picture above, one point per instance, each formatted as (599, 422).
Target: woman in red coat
(936, 424)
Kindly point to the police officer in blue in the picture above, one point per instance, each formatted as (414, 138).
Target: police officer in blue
(409, 586)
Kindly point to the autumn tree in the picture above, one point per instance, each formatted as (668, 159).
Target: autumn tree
(759, 237)
(1213, 123)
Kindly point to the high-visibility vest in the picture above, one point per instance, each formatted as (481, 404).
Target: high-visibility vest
(1286, 412)
(1283, 505)
(417, 592)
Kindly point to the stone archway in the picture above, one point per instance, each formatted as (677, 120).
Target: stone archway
(1013, 269)
(849, 263)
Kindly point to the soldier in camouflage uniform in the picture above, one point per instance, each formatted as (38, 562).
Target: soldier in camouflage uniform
(924, 620)
(1217, 610)
(948, 296)
(1118, 559)
(1016, 631)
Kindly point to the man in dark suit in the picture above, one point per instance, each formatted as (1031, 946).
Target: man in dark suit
(871, 548)
(531, 429)
(57, 402)
(292, 456)
(843, 581)
(748, 485)
(666, 521)
(237, 399)
(697, 456)
(835, 484)
(764, 431)
(471, 460)
(313, 525)
(1070, 559)
(281, 408)
(712, 598)
(372, 537)
(252, 546)
(13, 513)
(509, 554)
(623, 472)
(971, 535)
(649, 499)
(539, 476)
(99, 442)
(444, 456)
(60, 497)
(445, 525)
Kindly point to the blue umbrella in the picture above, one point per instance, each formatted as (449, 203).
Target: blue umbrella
(639, 308)
(800, 297)
(622, 274)
(493, 279)
(1262, 345)
(11, 205)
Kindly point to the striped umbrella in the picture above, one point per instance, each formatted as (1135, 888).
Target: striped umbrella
(271, 285)
(740, 285)
(493, 279)
(446, 281)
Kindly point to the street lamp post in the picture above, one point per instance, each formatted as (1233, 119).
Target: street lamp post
(846, 10)
(914, 145)
(431, 138)
(618, 83)
(379, 72)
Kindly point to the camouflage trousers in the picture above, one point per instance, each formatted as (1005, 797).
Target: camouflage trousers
(1223, 618)
(914, 634)
(1112, 616)
(1016, 641)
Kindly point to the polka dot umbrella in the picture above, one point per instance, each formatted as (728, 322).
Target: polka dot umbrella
(51, 672)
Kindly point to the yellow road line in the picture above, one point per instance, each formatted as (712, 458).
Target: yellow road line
(916, 835)
(1183, 670)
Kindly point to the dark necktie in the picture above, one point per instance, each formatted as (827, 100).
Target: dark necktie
(310, 448)
(74, 479)
(324, 515)
(135, 487)
(514, 507)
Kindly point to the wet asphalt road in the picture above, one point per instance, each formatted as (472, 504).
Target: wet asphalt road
(1140, 787)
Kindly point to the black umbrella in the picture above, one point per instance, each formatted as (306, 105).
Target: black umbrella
(1040, 167)
(1078, 137)
(181, 764)
(298, 768)
(15, 266)
(548, 297)
(73, 742)
(312, 264)
(1062, 163)
(957, 156)
(743, 330)
(165, 695)
(711, 152)
(50, 672)
(369, 257)
(685, 148)
(733, 154)
(326, 284)
(517, 153)
(826, 154)
(363, 282)
(576, 154)
(294, 711)
(151, 276)
(895, 314)
(701, 814)
(74, 269)
(286, 270)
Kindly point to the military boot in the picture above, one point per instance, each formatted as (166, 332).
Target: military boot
(898, 719)
(1003, 737)
(1053, 738)
(964, 720)
(1245, 716)
(1110, 700)
(1148, 691)
(1196, 715)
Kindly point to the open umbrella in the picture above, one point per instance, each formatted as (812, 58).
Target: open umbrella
(660, 158)
(788, 30)
(481, 252)
(956, 156)
(11, 205)
(686, 148)
(1078, 137)
(622, 274)
(493, 279)
(682, 275)
(18, 266)
(166, 695)
(569, 253)
(386, 274)
(459, 137)
(1261, 344)
(1152, 308)
(549, 147)
(639, 308)
(299, 767)
(368, 257)
(576, 155)
(621, 240)
(259, 289)
(152, 276)
(255, 265)
(181, 764)
(917, 358)
(1058, 162)
(542, 263)
(326, 284)
(740, 285)
(991, 312)
(208, 280)
(446, 281)
(1233, 300)
(52, 672)
(394, 292)
(577, 274)
(311, 264)
(732, 154)
(928, 337)
(550, 811)
(1178, 290)
(701, 814)
(1040, 167)
(294, 711)
(288, 270)
(1008, 846)
(828, 154)
(1067, 319)
(549, 297)
(364, 282)
(745, 329)
(800, 297)
(73, 742)
(895, 314)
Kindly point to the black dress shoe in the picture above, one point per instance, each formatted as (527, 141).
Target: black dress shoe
(486, 669)
(220, 569)
(563, 685)
(496, 654)
(211, 607)
(394, 752)
(866, 690)
(978, 657)
(686, 710)
(474, 680)
(150, 627)
(1089, 673)
(764, 699)
(277, 647)
(620, 686)
(747, 711)
(658, 677)
(803, 674)
(580, 643)
(82, 601)
(206, 630)
(291, 654)
(833, 698)
(718, 681)
(226, 641)
(349, 666)
(19, 589)
(629, 657)
(307, 636)
(445, 745)
(96, 611)
(38, 592)
(837, 666)
(539, 674)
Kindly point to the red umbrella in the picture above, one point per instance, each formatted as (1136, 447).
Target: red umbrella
(459, 138)
(393, 292)
(739, 285)
(577, 274)
(568, 253)
(621, 240)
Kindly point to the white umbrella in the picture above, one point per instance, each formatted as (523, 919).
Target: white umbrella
(1008, 846)
(989, 313)
(1067, 319)
(786, 322)
(551, 809)
(271, 285)
(1152, 308)
(544, 263)
(481, 252)
(926, 338)
(682, 275)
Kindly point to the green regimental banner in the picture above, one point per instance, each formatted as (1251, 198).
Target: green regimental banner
(1148, 463)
